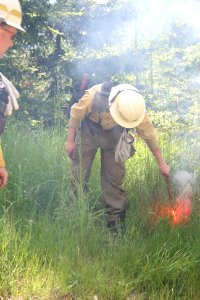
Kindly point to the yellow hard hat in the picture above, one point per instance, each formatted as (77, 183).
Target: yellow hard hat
(11, 13)
(127, 105)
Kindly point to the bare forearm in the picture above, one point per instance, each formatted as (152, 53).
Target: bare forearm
(159, 158)
(71, 134)
(155, 149)
(3, 177)
(70, 143)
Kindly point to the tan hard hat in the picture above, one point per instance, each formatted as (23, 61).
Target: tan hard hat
(11, 13)
(127, 105)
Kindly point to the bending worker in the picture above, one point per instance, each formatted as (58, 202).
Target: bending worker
(10, 23)
(106, 112)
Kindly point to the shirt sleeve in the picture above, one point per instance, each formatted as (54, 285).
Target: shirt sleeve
(147, 132)
(2, 162)
(83, 107)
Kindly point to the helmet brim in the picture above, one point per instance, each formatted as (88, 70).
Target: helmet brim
(114, 107)
(118, 119)
(15, 26)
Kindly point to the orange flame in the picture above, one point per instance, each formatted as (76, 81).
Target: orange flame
(178, 212)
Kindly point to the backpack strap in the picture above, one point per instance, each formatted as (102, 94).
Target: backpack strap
(100, 102)
(3, 103)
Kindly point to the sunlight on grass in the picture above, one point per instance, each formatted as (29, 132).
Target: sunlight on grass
(56, 246)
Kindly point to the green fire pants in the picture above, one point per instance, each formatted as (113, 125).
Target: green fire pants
(90, 138)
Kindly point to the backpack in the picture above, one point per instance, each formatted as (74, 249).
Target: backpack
(78, 92)
(100, 101)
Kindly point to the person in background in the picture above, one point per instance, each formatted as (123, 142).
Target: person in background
(10, 23)
(106, 114)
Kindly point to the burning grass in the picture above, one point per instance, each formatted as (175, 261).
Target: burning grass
(176, 213)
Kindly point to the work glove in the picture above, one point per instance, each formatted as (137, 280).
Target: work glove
(13, 95)
(124, 148)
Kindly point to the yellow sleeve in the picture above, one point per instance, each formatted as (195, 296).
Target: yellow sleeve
(147, 131)
(2, 162)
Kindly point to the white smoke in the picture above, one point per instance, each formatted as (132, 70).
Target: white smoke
(155, 16)
(185, 183)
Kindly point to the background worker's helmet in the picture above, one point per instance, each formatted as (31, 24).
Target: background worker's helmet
(11, 13)
(127, 105)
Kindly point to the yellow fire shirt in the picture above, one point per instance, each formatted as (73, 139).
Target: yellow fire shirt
(82, 109)
(2, 162)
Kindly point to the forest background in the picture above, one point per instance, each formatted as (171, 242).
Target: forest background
(154, 46)
(51, 248)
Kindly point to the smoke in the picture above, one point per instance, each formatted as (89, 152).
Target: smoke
(195, 82)
(155, 16)
(186, 180)
(100, 1)
(185, 183)
(151, 19)
(179, 211)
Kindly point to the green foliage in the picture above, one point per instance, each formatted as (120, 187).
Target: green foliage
(64, 39)
(53, 246)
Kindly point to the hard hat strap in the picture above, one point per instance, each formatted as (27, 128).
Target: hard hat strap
(2, 21)
(115, 96)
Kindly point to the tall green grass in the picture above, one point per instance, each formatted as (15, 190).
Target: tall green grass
(54, 246)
